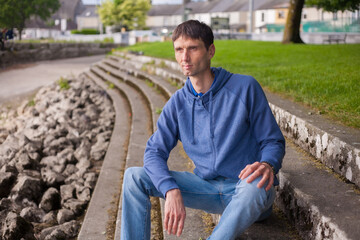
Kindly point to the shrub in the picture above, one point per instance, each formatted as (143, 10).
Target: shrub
(86, 31)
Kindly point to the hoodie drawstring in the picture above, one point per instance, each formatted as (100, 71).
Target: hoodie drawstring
(193, 122)
(211, 116)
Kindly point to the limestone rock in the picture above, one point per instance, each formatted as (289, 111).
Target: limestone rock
(6, 181)
(50, 200)
(75, 205)
(83, 193)
(32, 214)
(27, 187)
(15, 227)
(65, 215)
(52, 178)
(67, 191)
(50, 218)
(71, 230)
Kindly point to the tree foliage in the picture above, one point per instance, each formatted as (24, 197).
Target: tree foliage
(292, 31)
(130, 14)
(14, 13)
(335, 5)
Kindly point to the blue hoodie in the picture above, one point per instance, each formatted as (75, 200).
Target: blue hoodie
(224, 130)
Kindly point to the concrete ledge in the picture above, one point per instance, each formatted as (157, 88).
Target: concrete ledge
(31, 52)
(319, 204)
(338, 155)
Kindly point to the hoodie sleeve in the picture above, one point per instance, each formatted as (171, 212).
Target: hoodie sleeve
(158, 149)
(264, 126)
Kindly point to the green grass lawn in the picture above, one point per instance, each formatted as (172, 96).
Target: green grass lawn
(324, 77)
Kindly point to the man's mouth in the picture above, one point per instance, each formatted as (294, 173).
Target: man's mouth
(187, 66)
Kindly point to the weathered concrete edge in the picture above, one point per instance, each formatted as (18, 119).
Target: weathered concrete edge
(302, 210)
(338, 155)
(108, 183)
(21, 53)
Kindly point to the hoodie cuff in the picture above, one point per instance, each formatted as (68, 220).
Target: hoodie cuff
(272, 165)
(166, 186)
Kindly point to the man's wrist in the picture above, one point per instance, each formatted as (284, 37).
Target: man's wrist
(270, 165)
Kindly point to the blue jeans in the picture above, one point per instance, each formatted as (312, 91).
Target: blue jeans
(240, 203)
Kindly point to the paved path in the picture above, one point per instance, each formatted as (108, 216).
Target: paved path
(23, 80)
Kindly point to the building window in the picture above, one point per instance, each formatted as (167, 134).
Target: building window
(281, 14)
(304, 16)
(263, 17)
(335, 16)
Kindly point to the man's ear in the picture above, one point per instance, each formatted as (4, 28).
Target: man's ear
(212, 50)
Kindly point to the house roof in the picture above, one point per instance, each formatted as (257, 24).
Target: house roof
(164, 9)
(89, 11)
(273, 4)
(215, 6)
(69, 9)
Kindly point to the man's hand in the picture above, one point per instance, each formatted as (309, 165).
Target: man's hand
(174, 212)
(258, 169)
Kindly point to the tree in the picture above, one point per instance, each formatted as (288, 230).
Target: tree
(335, 5)
(14, 13)
(130, 14)
(292, 26)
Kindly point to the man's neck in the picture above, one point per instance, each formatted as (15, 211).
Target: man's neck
(202, 84)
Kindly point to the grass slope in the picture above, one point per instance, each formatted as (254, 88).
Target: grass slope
(324, 77)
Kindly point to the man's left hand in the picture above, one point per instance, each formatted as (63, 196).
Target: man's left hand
(258, 169)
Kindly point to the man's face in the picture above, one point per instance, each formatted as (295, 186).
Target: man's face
(192, 55)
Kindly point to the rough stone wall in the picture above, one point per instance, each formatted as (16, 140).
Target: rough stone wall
(332, 151)
(51, 152)
(31, 52)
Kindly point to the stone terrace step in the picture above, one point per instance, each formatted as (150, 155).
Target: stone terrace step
(308, 187)
(276, 226)
(103, 205)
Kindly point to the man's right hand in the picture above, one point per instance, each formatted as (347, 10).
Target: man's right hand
(174, 212)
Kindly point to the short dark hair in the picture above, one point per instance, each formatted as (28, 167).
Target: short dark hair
(195, 30)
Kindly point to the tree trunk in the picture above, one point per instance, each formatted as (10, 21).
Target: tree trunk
(292, 26)
(20, 31)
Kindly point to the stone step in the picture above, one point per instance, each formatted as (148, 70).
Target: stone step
(102, 209)
(307, 204)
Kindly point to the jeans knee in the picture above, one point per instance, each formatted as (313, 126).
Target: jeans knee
(252, 192)
(132, 176)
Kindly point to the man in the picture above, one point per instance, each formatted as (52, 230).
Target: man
(228, 131)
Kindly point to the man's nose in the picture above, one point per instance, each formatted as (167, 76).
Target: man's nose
(185, 56)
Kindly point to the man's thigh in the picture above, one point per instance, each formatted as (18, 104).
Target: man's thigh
(207, 195)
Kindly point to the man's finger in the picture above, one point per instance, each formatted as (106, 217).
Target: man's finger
(166, 221)
(180, 227)
(263, 180)
(170, 224)
(175, 226)
(271, 182)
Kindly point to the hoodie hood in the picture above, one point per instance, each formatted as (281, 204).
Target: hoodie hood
(221, 76)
